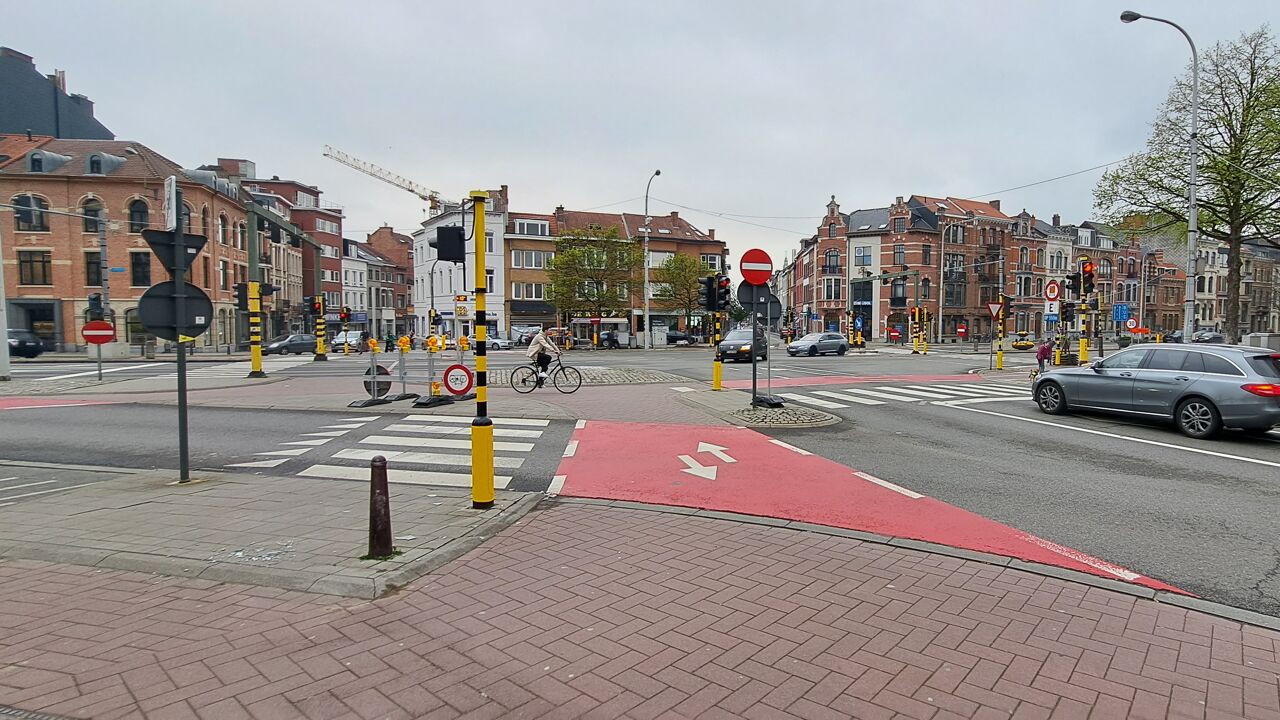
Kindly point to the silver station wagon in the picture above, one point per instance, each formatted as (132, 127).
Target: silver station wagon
(1201, 388)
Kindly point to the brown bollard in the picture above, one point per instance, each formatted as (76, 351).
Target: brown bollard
(379, 509)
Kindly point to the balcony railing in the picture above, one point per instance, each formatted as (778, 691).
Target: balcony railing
(832, 269)
(954, 276)
(1022, 267)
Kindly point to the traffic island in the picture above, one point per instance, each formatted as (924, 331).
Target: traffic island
(734, 407)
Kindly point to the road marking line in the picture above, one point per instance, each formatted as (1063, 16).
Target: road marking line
(422, 458)
(975, 401)
(403, 477)
(1082, 558)
(364, 419)
(466, 420)
(326, 433)
(557, 484)
(1000, 391)
(30, 484)
(571, 449)
(45, 492)
(580, 424)
(290, 453)
(15, 477)
(683, 389)
(888, 485)
(928, 395)
(351, 426)
(1007, 386)
(399, 440)
(947, 390)
(261, 463)
(789, 446)
(108, 370)
(318, 441)
(1143, 441)
(429, 430)
(884, 395)
(817, 402)
(60, 405)
(65, 466)
(847, 398)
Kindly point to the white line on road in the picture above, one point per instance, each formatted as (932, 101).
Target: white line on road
(847, 398)
(45, 492)
(466, 420)
(580, 424)
(422, 458)
(888, 485)
(317, 441)
(926, 394)
(463, 430)
(261, 463)
(1114, 436)
(557, 484)
(789, 446)
(1082, 558)
(289, 453)
(949, 390)
(571, 449)
(326, 433)
(30, 484)
(884, 395)
(975, 401)
(15, 477)
(817, 402)
(406, 477)
(431, 442)
(364, 419)
(683, 389)
(108, 370)
(349, 426)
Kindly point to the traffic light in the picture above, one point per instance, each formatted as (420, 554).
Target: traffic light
(1086, 277)
(1073, 282)
(345, 314)
(722, 292)
(316, 304)
(708, 292)
(450, 244)
(1068, 312)
(95, 306)
(242, 296)
(266, 289)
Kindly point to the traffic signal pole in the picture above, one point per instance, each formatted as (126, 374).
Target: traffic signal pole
(482, 494)
(180, 312)
(717, 367)
(255, 329)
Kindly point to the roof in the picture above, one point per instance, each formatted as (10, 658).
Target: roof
(139, 161)
(669, 227)
(867, 221)
(1049, 229)
(32, 101)
(13, 147)
(925, 209)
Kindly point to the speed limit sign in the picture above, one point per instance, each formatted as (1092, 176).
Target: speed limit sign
(1131, 323)
(457, 379)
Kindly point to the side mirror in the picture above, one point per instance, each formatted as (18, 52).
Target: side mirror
(1096, 366)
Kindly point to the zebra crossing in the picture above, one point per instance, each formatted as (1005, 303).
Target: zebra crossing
(421, 449)
(904, 393)
(239, 369)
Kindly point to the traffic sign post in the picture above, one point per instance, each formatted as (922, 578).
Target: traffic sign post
(458, 379)
(98, 332)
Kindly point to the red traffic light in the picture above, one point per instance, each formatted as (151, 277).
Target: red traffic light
(1087, 268)
(724, 282)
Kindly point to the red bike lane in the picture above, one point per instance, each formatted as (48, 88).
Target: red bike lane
(739, 470)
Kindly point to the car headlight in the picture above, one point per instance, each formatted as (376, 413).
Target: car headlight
(745, 348)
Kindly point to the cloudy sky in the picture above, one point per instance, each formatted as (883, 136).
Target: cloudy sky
(756, 112)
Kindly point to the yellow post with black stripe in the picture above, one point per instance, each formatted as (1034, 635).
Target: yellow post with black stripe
(717, 367)
(255, 330)
(1000, 335)
(482, 494)
(320, 330)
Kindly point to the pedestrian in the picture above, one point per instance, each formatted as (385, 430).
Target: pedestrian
(540, 351)
(1042, 354)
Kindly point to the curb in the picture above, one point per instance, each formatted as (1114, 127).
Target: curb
(691, 399)
(1226, 612)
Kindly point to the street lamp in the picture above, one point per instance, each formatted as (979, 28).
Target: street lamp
(1193, 219)
(648, 332)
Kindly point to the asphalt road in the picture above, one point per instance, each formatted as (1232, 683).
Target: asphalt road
(1197, 514)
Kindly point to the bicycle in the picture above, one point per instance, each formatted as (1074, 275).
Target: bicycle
(524, 379)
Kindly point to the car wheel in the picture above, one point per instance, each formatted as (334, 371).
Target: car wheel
(1051, 399)
(843, 349)
(1198, 418)
(813, 350)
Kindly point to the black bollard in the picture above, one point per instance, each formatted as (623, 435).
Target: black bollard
(379, 509)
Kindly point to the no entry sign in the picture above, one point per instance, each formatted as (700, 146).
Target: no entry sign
(457, 379)
(756, 267)
(98, 332)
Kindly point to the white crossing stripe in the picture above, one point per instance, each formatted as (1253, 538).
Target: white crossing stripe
(290, 453)
(683, 389)
(30, 484)
(348, 426)
(1006, 386)
(429, 430)
(920, 393)
(789, 446)
(990, 390)
(884, 395)
(400, 440)
(464, 419)
(261, 463)
(326, 433)
(557, 484)
(122, 368)
(51, 490)
(571, 449)
(422, 458)
(317, 441)
(949, 390)
(811, 401)
(363, 419)
(847, 398)
(407, 477)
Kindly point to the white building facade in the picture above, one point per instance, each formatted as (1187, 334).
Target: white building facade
(442, 285)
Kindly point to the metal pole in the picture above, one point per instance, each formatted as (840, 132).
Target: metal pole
(482, 494)
(648, 331)
(755, 322)
(380, 545)
(180, 314)
(942, 270)
(6, 371)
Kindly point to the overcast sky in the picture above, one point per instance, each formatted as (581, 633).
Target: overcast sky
(748, 108)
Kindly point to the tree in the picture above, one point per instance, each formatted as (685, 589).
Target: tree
(1239, 184)
(678, 286)
(737, 313)
(593, 272)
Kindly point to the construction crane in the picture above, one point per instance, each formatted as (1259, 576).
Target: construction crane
(430, 196)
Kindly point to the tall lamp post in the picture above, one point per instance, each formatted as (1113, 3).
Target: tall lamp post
(648, 332)
(1193, 219)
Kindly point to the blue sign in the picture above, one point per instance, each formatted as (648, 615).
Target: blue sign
(1051, 318)
(116, 269)
(857, 323)
(359, 317)
(1120, 312)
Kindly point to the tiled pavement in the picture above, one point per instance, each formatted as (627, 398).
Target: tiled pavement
(586, 611)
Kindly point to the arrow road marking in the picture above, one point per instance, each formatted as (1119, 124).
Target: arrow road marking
(697, 468)
(716, 450)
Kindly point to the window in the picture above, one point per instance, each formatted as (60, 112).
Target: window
(92, 269)
(899, 254)
(92, 211)
(488, 241)
(528, 291)
(305, 200)
(39, 221)
(204, 221)
(34, 267)
(899, 225)
(1125, 360)
(926, 254)
(711, 261)
(658, 259)
(1167, 359)
(222, 229)
(204, 270)
(925, 289)
(223, 275)
(831, 288)
(899, 288)
(327, 226)
(832, 261)
(37, 163)
(95, 164)
(1219, 365)
(242, 236)
(1059, 261)
(517, 258)
(1040, 257)
(140, 269)
(862, 255)
(488, 281)
(186, 218)
(139, 216)
(831, 230)
(1024, 256)
(533, 227)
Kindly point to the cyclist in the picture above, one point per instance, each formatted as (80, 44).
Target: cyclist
(540, 350)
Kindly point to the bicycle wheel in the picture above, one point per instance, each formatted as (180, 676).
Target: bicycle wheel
(524, 379)
(567, 379)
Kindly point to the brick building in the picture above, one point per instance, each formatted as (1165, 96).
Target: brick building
(397, 250)
(530, 246)
(51, 264)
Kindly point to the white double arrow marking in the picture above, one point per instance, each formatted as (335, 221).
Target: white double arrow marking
(705, 471)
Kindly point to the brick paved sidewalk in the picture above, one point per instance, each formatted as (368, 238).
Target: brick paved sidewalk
(588, 611)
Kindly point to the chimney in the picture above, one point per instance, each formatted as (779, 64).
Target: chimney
(995, 204)
(711, 233)
(1057, 220)
(674, 216)
(29, 138)
(898, 201)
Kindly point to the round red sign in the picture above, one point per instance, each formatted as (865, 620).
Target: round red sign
(1052, 290)
(756, 267)
(457, 379)
(98, 332)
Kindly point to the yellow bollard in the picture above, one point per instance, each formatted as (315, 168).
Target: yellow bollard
(482, 492)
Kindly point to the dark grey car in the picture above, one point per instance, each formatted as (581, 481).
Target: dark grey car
(296, 344)
(737, 346)
(1201, 388)
(819, 344)
(24, 343)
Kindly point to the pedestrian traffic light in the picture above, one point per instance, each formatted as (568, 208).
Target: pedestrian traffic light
(95, 306)
(242, 296)
(708, 292)
(1086, 277)
(722, 292)
(345, 314)
(1073, 282)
